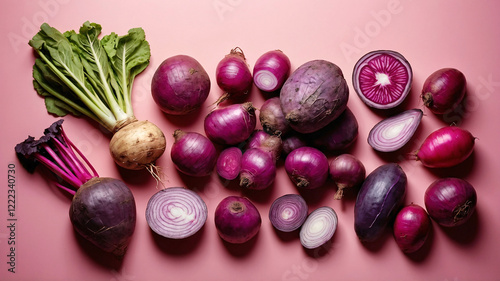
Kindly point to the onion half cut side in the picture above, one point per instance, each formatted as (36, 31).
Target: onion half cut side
(288, 212)
(318, 228)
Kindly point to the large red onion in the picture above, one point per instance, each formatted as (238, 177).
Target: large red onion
(271, 70)
(382, 79)
(347, 172)
(307, 167)
(176, 212)
(180, 85)
(193, 153)
(412, 227)
(272, 119)
(288, 212)
(443, 90)
(450, 201)
(228, 164)
(258, 169)
(233, 74)
(232, 124)
(319, 228)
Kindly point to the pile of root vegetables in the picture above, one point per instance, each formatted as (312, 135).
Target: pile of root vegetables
(304, 127)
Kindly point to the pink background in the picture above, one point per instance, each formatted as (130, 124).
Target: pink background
(430, 34)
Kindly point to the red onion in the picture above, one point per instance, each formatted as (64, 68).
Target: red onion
(307, 167)
(412, 227)
(293, 141)
(230, 125)
(268, 143)
(319, 228)
(446, 147)
(394, 132)
(180, 85)
(347, 172)
(443, 90)
(228, 164)
(176, 212)
(233, 74)
(288, 212)
(339, 134)
(193, 153)
(271, 70)
(450, 201)
(258, 169)
(237, 219)
(382, 79)
(272, 119)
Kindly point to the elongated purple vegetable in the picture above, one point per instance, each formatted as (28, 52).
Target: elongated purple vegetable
(319, 227)
(394, 132)
(176, 212)
(307, 167)
(230, 125)
(288, 212)
(271, 70)
(228, 164)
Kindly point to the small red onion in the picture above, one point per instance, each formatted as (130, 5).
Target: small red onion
(307, 167)
(258, 169)
(450, 201)
(228, 164)
(193, 153)
(176, 212)
(237, 219)
(443, 90)
(347, 172)
(233, 74)
(412, 227)
(446, 147)
(319, 228)
(272, 119)
(232, 124)
(394, 132)
(271, 70)
(268, 143)
(288, 212)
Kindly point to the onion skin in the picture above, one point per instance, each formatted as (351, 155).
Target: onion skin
(193, 154)
(412, 227)
(271, 144)
(233, 75)
(228, 164)
(272, 119)
(293, 141)
(340, 134)
(443, 90)
(323, 218)
(450, 201)
(288, 212)
(271, 70)
(307, 167)
(103, 211)
(446, 147)
(230, 125)
(378, 201)
(314, 95)
(180, 85)
(258, 169)
(237, 220)
(347, 172)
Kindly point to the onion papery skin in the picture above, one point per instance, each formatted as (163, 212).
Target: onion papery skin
(176, 212)
(193, 154)
(233, 75)
(288, 212)
(443, 90)
(103, 211)
(228, 164)
(258, 169)
(382, 79)
(314, 95)
(346, 171)
(379, 199)
(230, 125)
(450, 201)
(271, 144)
(394, 132)
(180, 85)
(307, 167)
(446, 147)
(412, 227)
(340, 134)
(272, 119)
(237, 220)
(271, 70)
(319, 228)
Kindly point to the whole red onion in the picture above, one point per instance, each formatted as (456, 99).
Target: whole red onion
(268, 143)
(193, 153)
(233, 74)
(307, 167)
(412, 227)
(272, 119)
(443, 90)
(347, 172)
(258, 169)
(450, 201)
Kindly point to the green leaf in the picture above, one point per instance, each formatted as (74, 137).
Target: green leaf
(59, 108)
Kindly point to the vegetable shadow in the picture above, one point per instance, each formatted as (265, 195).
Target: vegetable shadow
(138, 178)
(461, 170)
(466, 234)
(420, 255)
(100, 257)
(375, 246)
(287, 236)
(323, 250)
(183, 120)
(243, 249)
(178, 247)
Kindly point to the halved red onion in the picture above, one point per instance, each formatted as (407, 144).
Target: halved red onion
(176, 212)
(319, 228)
(229, 163)
(288, 212)
(394, 132)
(271, 70)
(382, 79)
